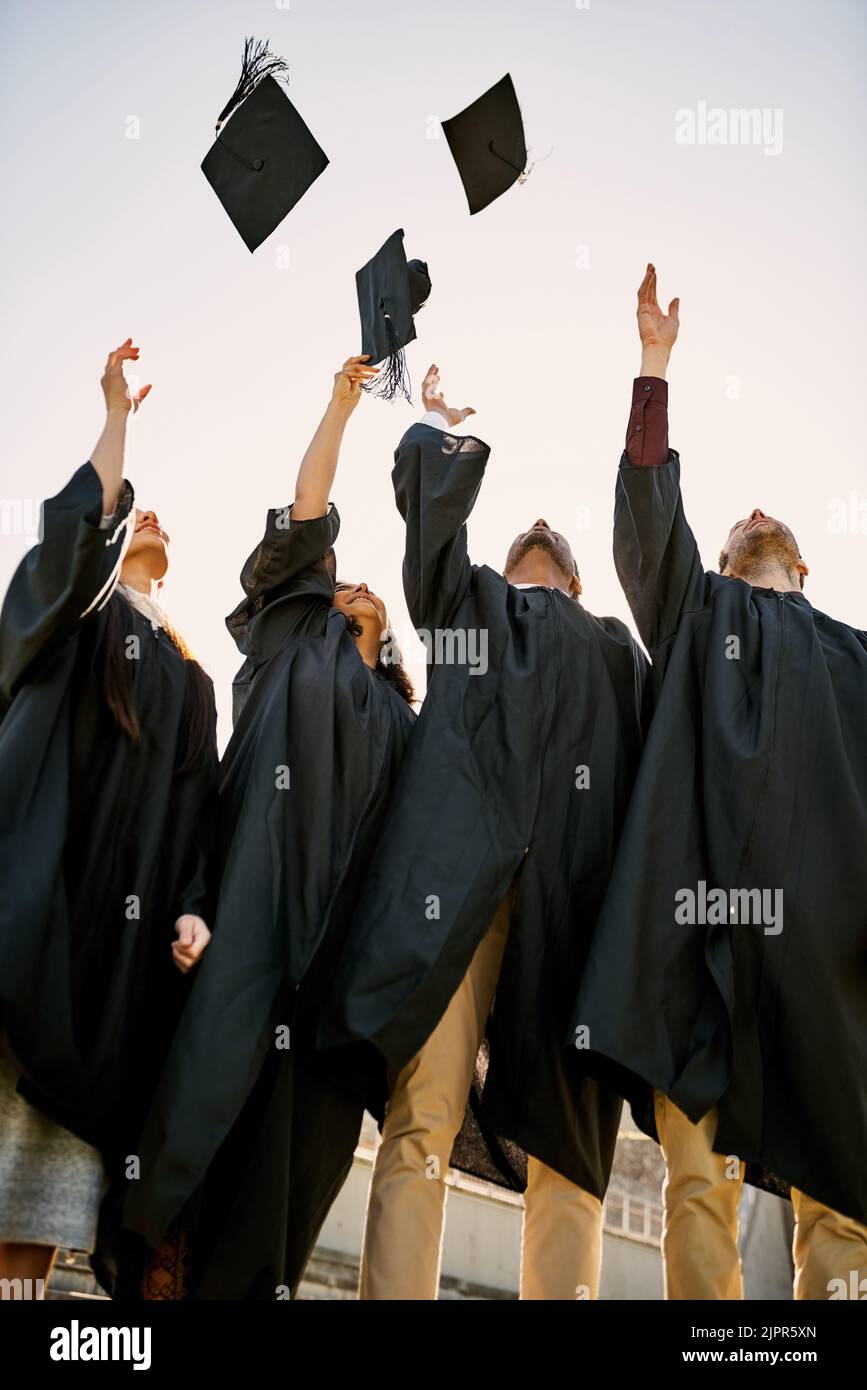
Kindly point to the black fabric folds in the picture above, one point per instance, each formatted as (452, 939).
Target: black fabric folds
(754, 777)
(102, 844)
(488, 787)
(317, 745)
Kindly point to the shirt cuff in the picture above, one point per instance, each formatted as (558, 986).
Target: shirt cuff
(647, 431)
(650, 388)
(436, 421)
(125, 502)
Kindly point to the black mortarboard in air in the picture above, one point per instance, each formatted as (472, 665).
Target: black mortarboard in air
(487, 144)
(390, 291)
(264, 158)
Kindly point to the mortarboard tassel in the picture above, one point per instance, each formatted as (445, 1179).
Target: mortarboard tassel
(393, 378)
(523, 174)
(258, 62)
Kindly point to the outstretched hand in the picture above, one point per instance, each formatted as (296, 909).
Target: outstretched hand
(656, 329)
(348, 381)
(118, 398)
(433, 398)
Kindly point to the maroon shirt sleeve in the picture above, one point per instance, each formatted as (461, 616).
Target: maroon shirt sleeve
(647, 432)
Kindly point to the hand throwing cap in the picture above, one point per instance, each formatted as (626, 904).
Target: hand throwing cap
(264, 158)
(390, 291)
(487, 144)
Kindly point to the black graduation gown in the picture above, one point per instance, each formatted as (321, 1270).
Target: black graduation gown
(90, 823)
(754, 775)
(488, 788)
(310, 713)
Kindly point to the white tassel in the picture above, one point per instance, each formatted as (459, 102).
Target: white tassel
(108, 588)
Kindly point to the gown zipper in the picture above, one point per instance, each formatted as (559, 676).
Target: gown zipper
(552, 600)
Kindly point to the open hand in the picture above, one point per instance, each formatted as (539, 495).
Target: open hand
(193, 937)
(114, 386)
(433, 399)
(656, 329)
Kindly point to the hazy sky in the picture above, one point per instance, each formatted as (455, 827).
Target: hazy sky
(531, 318)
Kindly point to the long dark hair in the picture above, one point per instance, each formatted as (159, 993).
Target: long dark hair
(117, 674)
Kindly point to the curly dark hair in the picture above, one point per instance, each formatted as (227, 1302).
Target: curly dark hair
(392, 671)
(396, 674)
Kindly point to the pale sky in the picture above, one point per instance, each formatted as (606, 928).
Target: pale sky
(531, 318)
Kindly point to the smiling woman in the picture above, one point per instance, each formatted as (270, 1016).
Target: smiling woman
(367, 621)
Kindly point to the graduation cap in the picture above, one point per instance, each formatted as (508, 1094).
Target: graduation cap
(264, 158)
(487, 144)
(390, 290)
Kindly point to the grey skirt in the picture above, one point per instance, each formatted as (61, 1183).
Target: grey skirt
(51, 1182)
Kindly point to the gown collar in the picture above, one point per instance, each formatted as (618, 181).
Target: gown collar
(144, 605)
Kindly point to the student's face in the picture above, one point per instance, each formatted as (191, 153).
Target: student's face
(758, 542)
(541, 536)
(149, 544)
(359, 602)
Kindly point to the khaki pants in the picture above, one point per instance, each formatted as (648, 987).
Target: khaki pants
(701, 1197)
(561, 1248)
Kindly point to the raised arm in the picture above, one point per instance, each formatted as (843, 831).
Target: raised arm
(72, 571)
(290, 574)
(319, 464)
(655, 553)
(120, 403)
(436, 476)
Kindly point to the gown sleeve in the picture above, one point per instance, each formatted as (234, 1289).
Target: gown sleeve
(655, 552)
(198, 886)
(436, 479)
(285, 578)
(196, 896)
(69, 574)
